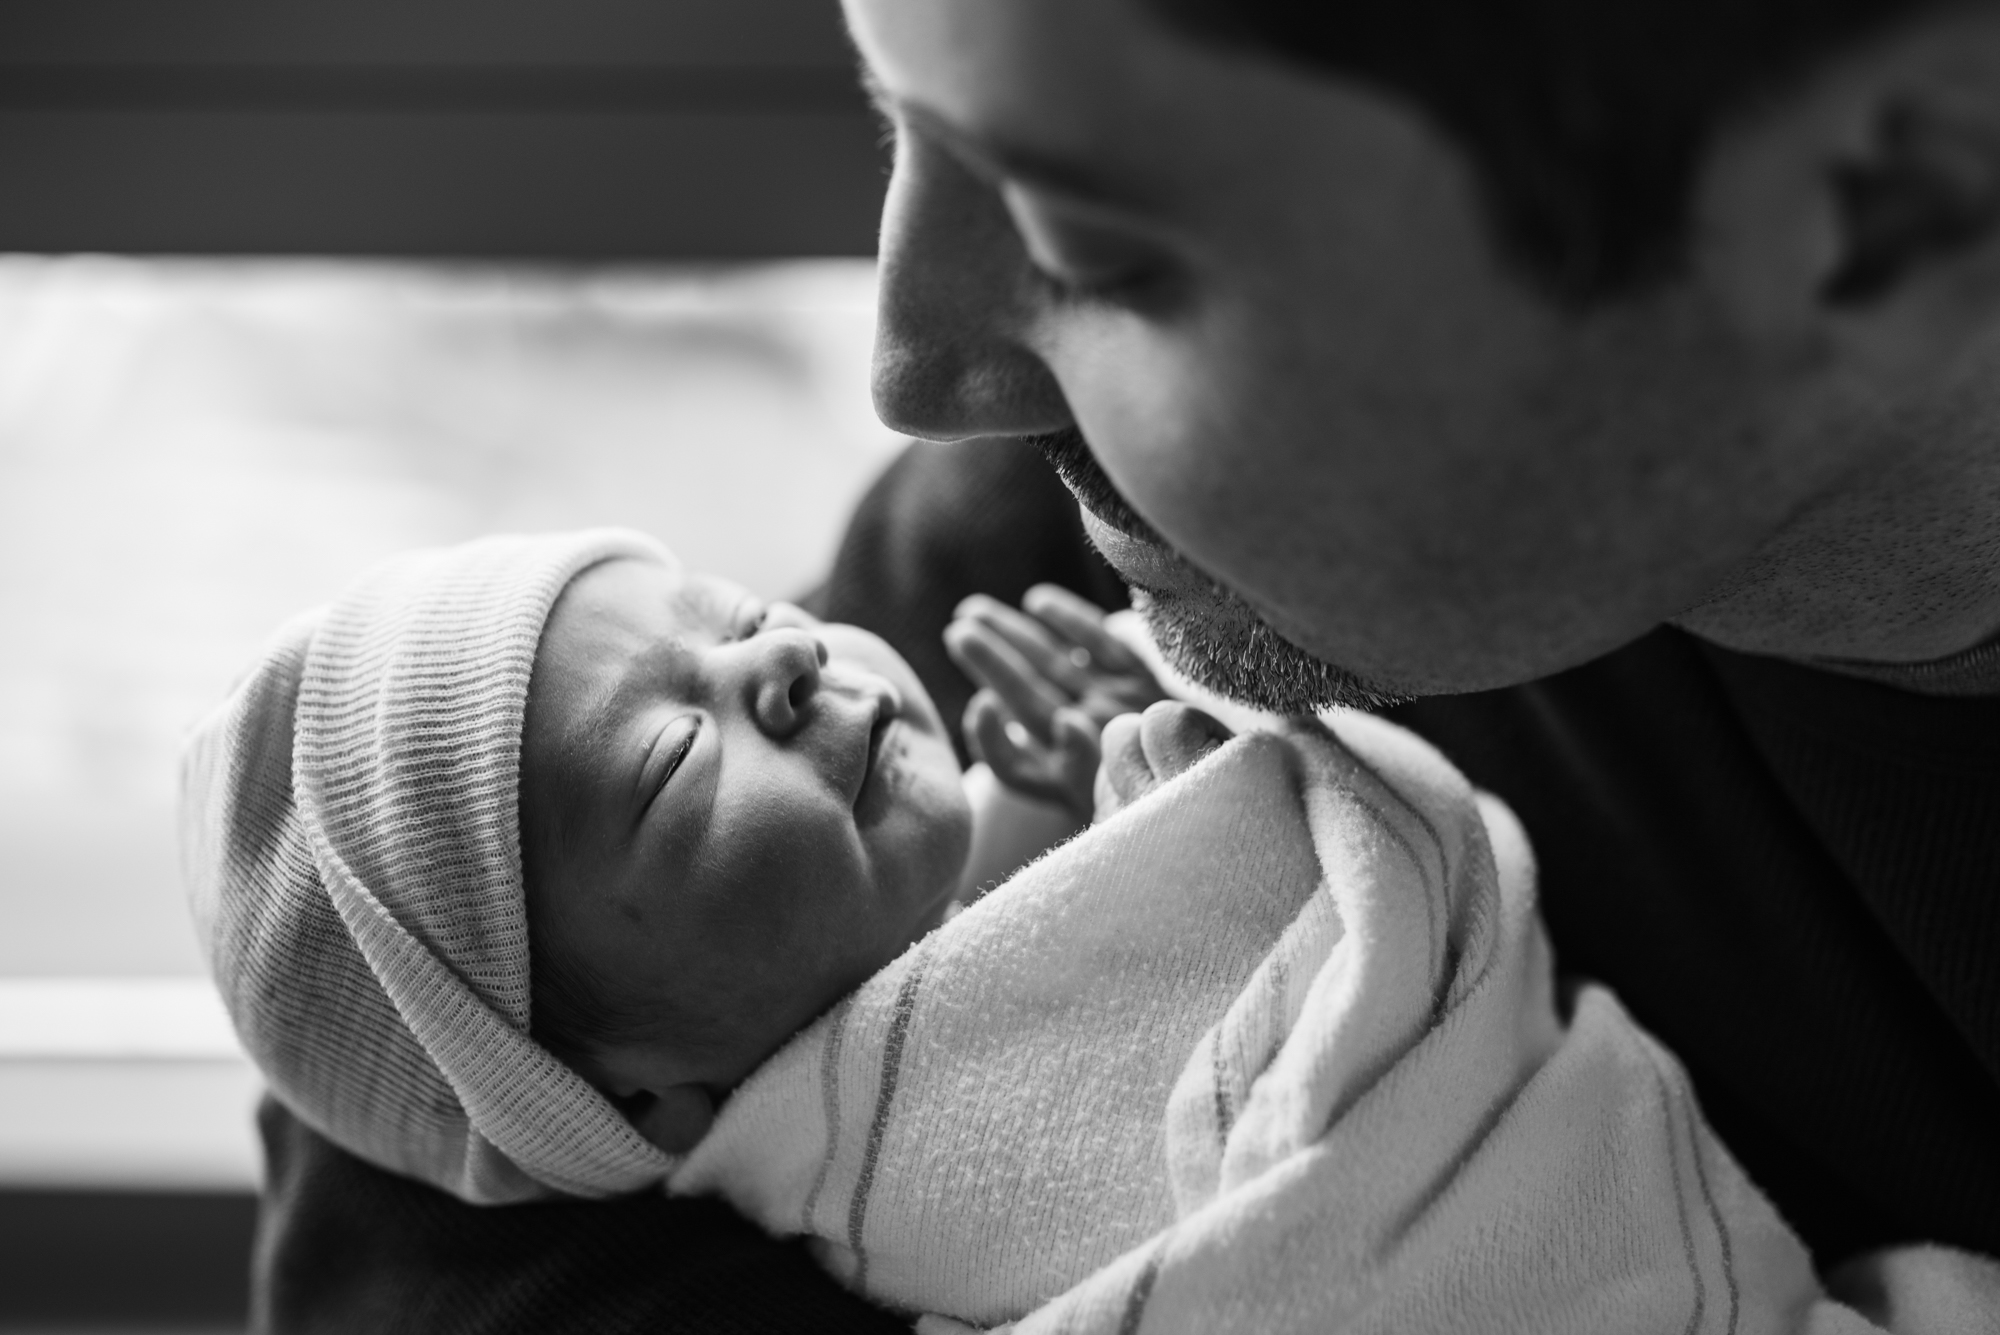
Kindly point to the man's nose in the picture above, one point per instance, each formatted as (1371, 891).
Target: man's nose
(955, 296)
(784, 678)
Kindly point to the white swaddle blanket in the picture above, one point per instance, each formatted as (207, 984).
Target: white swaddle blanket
(1274, 1049)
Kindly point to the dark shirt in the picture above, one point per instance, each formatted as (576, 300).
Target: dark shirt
(1792, 878)
(344, 1248)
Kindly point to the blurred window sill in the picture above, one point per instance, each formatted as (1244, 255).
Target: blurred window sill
(123, 1083)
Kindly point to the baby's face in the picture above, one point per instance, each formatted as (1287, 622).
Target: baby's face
(758, 810)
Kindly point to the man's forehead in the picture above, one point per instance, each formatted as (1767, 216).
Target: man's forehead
(952, 45)
(1043, 84)
(1102, 99)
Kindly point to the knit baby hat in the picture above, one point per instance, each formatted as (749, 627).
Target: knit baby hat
(351, 830)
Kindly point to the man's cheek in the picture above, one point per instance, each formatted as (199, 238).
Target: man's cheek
(1145, 565)
(1167, 406)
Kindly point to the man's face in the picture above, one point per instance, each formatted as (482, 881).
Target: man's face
(1269, 302)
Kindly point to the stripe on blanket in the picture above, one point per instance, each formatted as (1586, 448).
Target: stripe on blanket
(1432, 955)
(1680, 1112)
(1227, 1080)
(1280, 978)
(892, 1063)
(1708, 1199)
(829, 1085)
(1219, 1070)
(1421, 816)
(1432, 893)
(1672, 1128)
(1142, 1290)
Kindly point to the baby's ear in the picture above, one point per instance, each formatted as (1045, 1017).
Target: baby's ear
(675, 1118)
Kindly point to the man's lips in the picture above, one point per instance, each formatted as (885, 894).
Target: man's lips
(1145, 564)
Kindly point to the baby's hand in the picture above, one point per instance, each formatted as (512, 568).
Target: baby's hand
(1050, 678)
(1143, 751)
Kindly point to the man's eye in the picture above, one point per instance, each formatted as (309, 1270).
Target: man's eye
(1080, 252)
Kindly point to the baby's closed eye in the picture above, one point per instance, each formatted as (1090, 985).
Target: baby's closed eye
(668, 752)
(780, 616)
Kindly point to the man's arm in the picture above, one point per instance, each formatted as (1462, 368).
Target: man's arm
(343, 1246)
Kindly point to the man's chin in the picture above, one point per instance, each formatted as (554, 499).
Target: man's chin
(1220, 643)
(1209, 633)
(1216, 639)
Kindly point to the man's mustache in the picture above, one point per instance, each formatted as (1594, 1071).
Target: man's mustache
(1078, 468)
(1211, 633)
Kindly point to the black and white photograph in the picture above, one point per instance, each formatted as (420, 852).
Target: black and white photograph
(1061, 667)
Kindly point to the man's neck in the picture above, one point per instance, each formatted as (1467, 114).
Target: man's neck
(1896, 568)
(1970, 672)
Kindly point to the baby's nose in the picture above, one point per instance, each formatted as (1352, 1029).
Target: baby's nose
(786, 678)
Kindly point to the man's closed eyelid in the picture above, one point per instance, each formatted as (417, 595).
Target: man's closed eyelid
(1079, 249)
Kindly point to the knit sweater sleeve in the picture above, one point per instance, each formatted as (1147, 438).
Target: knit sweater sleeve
(345, 1247)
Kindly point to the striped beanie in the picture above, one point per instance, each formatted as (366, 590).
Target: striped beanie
(351, 835)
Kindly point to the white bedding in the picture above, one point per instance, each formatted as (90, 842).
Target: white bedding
(1275, 1049)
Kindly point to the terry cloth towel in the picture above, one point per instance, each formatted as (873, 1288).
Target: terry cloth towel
(351, 836)
(1274, 1049)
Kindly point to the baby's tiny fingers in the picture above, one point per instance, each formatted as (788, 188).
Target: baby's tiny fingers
(1105, 800)
(1174, 736)
(995, 736)
(1042, 650)
(976, 723)
(1077, 758)
(976, 604)
(995, 664)
(1074, 730)
(1020, 762)
(1125, 767)
(1081, 622)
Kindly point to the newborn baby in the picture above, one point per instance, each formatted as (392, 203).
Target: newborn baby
(539, 865)
(732, 814)
(517, 858)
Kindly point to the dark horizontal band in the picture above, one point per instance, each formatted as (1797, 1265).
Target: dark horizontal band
(437, 88)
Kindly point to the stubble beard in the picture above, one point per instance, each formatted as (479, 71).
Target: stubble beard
(1213, 637)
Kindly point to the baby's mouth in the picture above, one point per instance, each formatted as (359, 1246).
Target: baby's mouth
(876, 735)
(872, 797)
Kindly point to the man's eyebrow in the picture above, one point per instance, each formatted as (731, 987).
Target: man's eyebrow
(994, 160)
